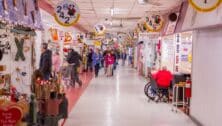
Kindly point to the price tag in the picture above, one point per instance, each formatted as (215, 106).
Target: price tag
(67, 13)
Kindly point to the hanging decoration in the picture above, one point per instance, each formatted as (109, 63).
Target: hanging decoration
(54, 34)
(15, 3)
(68, 37)
(67, 13)
(4, 3)
(99, 29)
(22, 12)
(154, 23)
(24, 3)
(19, 45)
(33, 16)
(36, 5)
(204, 5)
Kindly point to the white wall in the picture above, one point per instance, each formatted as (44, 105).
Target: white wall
(195, 19)
(206, 99)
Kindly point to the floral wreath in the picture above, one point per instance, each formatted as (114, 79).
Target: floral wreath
(154, 23)
(100, 29)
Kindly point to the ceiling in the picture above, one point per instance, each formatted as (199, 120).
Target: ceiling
(126, 12)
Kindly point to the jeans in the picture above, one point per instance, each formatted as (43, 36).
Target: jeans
(97, 67)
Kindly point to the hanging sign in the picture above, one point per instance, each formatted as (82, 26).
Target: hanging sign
(67, 13)
(100, 29)
(54, 34)
(205, 5)
(68, 37)
(97, 43)
(154, 23)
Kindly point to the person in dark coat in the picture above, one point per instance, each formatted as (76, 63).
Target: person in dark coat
(74, 60)
(45, 66)
(90, 60)
(63, 106)
(97, 57)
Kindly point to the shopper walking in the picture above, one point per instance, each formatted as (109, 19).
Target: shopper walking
(96, 61)
(105, 61)
(110, 61)
(74, 60)
(45, 66)
(89, 60)
(123, 56)
(56, 63)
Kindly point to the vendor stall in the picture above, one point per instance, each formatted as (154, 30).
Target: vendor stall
(177, 52)
(19, 21)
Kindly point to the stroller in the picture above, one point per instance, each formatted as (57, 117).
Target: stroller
(154, 93)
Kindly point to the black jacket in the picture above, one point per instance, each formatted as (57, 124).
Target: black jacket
(46, 62)
(63, 108)
(74, 58)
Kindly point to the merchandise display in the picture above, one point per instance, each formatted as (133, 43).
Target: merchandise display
(17, 39)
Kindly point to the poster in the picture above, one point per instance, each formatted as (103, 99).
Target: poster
(167, 57)
(185, 52)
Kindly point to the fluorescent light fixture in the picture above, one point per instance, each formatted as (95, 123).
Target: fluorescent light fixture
(112, 11)
(142, 1)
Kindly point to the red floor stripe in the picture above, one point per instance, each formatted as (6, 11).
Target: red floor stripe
(73, 94)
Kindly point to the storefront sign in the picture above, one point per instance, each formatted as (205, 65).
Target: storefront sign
(177, 53)
(67, 13)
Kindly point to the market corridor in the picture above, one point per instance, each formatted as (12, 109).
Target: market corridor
(120, 101)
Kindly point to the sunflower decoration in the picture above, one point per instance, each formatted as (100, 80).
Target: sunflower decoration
(154, 23)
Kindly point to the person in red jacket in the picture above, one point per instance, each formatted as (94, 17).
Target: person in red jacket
(109, 59)
(163, 78)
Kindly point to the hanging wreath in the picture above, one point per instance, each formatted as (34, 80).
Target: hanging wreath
(154, 23)
(67, 13)
(99, 29)
(205, 5)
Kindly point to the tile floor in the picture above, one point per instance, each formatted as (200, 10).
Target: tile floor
(120, 101)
